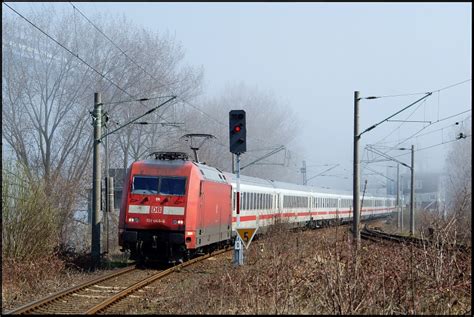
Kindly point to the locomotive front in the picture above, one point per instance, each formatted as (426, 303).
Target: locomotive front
(153, 209)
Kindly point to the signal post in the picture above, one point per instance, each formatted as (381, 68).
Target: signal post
(238, 145)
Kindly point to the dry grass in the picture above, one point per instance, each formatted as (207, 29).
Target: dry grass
(303, 272)
(320, 272)
(26, 281)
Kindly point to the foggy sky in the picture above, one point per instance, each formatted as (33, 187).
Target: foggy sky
(313, 56)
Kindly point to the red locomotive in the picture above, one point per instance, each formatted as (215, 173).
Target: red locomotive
(173, 208)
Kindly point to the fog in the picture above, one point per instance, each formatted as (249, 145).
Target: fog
(313, 56)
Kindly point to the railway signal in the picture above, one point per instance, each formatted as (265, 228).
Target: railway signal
(237, 132)
(246, 235)
(238, 145)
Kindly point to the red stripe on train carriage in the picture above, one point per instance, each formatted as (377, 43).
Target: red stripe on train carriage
(303, 214)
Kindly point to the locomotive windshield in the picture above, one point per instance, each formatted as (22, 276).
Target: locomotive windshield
(172, 186)
(145, 185)
(150, 185)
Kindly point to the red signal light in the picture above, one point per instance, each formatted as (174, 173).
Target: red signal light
(237, 128)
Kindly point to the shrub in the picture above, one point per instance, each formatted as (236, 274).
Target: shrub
(29, 220)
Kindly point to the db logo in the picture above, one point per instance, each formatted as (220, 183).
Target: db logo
(156, 209)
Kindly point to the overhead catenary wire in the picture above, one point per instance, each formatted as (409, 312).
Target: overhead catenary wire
(393, 115)
(417, 136)
(453, 85)
(413, 135)
(418, 93)
(87, 64)
(437, 90)
(429, 93)
(153, 77)
(68, 50)
(75, 55)
(416, 150)
(118, 87)
(111, 41)
(150, 75)
(400, 125)
(178, 98)
(219, 122)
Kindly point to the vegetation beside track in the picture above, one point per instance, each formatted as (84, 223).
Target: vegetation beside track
(314, 272)
(302, 272)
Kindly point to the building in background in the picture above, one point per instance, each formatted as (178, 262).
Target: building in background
(119, 175)
(430, 190)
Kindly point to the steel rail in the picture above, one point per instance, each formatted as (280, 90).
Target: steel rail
(117, 297)
(36, 304)
(408, 239)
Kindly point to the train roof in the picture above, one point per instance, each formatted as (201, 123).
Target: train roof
(207, 172)
(212, 173)
(163, 162)
(248, 180)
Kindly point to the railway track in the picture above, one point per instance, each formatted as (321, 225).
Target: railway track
(97, 295)
(377, 235)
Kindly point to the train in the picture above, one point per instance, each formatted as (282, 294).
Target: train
(174, 208)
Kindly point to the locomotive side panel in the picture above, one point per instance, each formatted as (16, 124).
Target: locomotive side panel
(192, 208)
(214, 223)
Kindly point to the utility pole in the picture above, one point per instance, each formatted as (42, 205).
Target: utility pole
(403, 203)
(110, 207)
(238, 247)
(356, 189)
(96, 172)
(233, 163)
(96, 183)
(107, 188)
(412, 194)
(398, 197)
(237, 146)
(303, 171)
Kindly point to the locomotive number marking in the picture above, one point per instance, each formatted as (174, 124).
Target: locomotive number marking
(155, 220)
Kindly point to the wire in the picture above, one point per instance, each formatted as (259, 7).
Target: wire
(431, 146)
(422, 103)
(141, 99)
(181, 99)
(72, 53)
(440, 129)
(144, 70)
(108, 38)
(462, 82)
(393, 115)
(390, 96)
(429, 126)
(417, 93)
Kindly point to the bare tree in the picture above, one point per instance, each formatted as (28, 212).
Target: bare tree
(269, 125)
(44, 118)
(48, 94)
(459, 180)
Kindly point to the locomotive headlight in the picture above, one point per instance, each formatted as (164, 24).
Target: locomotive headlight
(180, 222)
(133, 219)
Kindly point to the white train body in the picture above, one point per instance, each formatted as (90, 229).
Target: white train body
(266, 202)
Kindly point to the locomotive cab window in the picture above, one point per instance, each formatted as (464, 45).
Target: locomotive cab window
(145, 185)
(172, 186)
(150, 185)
